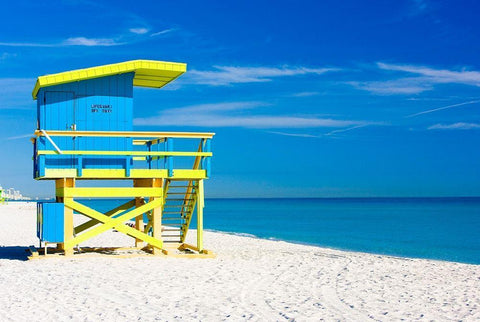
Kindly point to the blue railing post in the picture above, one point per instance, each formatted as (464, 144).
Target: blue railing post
(169, 159)
(208, 148)
(35, 159)
(79, 165)
(149, 158)
(41, 165)
(202, 159)
(128, 166)
(157, 149)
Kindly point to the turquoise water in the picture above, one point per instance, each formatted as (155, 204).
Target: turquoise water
(436, 228)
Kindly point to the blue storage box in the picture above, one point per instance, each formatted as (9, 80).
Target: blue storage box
(50, 222)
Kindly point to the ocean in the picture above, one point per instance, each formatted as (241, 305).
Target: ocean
(435, 228)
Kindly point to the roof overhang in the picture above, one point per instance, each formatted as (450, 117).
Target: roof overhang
(148, 73)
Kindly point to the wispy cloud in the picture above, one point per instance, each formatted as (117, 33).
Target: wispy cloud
(139, 31)
(5, 56)
(133, 35)
(163, 32)
(228, 75)
(98, 42)
(73, 41)
(444, 108)
(23, 136)
(437, 76)
(301, 135)
(412, 85)
(28, 44)
(257, 121)
(217, 107)
(305, 94)
(455, 126)
(15, 93)
(418, 7)
(349, 129)
(419, 79)
(213, 115)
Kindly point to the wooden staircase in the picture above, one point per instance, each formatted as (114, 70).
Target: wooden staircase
(179, 205)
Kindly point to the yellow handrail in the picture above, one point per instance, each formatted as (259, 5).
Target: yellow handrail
(123, 153)
(130, 134)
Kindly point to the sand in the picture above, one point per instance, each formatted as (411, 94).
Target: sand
(251, 279)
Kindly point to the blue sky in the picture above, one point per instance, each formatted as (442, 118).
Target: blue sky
(307, 98)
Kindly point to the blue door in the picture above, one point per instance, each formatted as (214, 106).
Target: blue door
(59, 114)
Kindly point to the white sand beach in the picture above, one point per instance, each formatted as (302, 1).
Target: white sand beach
(250, 279)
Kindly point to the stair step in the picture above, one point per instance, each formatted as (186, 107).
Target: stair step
(174, 206)
(170, 187)
(178, 207)
(171, 230)
(177, 199)
(180, 193)
(172, 212)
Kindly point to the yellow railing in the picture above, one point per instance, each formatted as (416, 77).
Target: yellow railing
(152, 142)
(127, 153)
(130, 134)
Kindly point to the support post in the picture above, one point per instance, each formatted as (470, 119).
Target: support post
(128, 166)
(80, 166)
(200, 196)
(157, 217)
(208, 148)
(169, 159)
(68, 228)
(138, 219)
(41, 165)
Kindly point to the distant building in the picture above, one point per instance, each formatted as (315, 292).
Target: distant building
(11, 194)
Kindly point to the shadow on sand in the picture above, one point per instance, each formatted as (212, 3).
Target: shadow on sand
(14, 253)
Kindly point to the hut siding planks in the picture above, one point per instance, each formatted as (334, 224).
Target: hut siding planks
(100, 104)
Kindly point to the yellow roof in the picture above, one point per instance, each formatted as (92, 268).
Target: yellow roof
(148, 73)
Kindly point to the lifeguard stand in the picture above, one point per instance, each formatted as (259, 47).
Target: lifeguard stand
(84, 132)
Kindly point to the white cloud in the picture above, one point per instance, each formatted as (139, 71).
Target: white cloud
(254, 121)
(139, 31)
(437, 76)
(122, 39)
(391, 87)
(217, 107)
(420, 79)
(455, 126)
(213, 115)
(83, 41)
(73, 41)
(228, 75)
